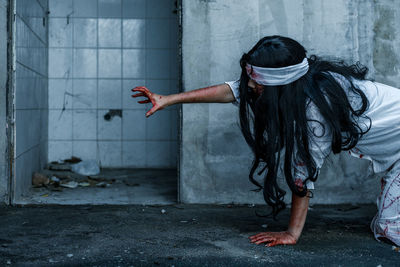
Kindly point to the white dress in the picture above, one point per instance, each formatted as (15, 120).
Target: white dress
(381, 145)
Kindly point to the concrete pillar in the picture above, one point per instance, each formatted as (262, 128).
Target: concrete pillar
(3, 103)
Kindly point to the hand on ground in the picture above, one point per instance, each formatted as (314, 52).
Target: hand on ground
(155, 99)
(273, 238)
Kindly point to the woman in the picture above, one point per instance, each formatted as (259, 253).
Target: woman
(293, 112)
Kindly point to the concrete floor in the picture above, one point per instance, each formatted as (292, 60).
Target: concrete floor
(126, 186)
(184, 235)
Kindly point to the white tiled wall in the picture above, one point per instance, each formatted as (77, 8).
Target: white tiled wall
(98, 51)
(31, 94)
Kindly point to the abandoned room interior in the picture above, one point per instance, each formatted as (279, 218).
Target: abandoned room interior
(75, 65)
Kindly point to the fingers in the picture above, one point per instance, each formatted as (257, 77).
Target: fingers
(151, 111)
(273, 243)
(255, 239)
(142, 101)
(257, 235)
(139, 94)
(137, 88)
(262, 238)
(273, 239)
(260, 235)
(141, 89)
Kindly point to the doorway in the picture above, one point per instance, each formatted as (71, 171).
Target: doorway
(97, 51)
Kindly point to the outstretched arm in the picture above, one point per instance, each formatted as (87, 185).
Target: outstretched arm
(214, 94)
(297, 219)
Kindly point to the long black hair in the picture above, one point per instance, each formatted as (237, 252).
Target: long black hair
(276, 120)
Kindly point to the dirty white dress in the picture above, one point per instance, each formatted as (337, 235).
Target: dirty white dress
(381, 145)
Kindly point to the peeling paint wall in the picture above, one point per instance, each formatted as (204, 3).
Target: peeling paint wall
(215, 159)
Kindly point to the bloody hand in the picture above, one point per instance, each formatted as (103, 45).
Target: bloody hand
(273, 238)
(155, 99)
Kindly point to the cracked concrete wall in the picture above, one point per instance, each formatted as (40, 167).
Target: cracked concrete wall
(30, 103)
(215, 159)
(3, 104)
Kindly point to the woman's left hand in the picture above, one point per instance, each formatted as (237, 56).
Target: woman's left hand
(274, 238)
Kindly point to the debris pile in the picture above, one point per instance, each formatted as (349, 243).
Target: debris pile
(87, 167)
(39, 179)
(70, 173)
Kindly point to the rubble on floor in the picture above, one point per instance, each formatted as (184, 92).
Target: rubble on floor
(70, 173)
(39, 179)
(111, 186)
